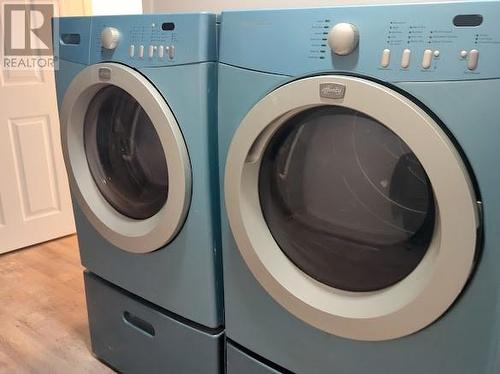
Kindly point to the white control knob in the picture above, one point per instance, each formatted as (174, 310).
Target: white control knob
(343, 38)
(110, 37)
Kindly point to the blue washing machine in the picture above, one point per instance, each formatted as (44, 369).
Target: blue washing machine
(137, 100)
(358, 153)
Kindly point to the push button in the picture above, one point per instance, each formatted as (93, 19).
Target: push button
(151, 51)
(141, 51)
(405, 58)
(386, 58)
(171, 52)
(160, 51)
(427, 59)
(131, 50)
(473, 59)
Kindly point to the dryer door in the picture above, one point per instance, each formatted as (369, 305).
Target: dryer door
(126, 157)
(351, 207)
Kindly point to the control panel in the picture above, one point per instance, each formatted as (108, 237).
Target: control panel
(151, 42)
(139, 40)
(427, 41)
(412, 42)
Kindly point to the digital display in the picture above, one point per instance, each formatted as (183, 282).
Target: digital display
(468, 20)
(168, 26)
(70, 38)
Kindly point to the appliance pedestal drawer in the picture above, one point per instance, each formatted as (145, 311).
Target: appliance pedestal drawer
(134, 336)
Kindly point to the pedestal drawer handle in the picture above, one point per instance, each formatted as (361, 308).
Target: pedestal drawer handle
(139, 323)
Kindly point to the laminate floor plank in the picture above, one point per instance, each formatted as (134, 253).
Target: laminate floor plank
(43, 318)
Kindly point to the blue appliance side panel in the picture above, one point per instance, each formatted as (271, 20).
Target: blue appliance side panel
(183, 277)
(293, 41)
(465, 340)
(238, 362)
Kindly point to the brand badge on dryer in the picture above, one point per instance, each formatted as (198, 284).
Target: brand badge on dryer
(104, 74)
(332, 90)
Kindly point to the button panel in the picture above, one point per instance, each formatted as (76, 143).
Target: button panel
(153, 51)
(471, 58)
(427, 57)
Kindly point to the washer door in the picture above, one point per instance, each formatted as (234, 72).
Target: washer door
(351, 207)
(126, 157)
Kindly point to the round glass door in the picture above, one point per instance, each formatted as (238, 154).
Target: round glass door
(125, 154)
(351, 211)
(127, 161)
(346, 199)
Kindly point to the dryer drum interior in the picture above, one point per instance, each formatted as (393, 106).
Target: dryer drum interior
(125, 154)
(346, 199)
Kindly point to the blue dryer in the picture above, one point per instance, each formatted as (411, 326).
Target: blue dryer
(137, 101)
(358, 152)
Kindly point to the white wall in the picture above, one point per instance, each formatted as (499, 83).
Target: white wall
(218, 5)
(106, 7)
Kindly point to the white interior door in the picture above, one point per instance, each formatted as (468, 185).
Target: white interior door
(35, 203)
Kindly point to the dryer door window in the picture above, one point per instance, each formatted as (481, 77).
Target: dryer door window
(346, 199)
(125, 154)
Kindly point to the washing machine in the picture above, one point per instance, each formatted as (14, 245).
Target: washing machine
(138, 107)
(359, 159)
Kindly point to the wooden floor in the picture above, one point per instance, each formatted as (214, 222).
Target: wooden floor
(43, 320)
